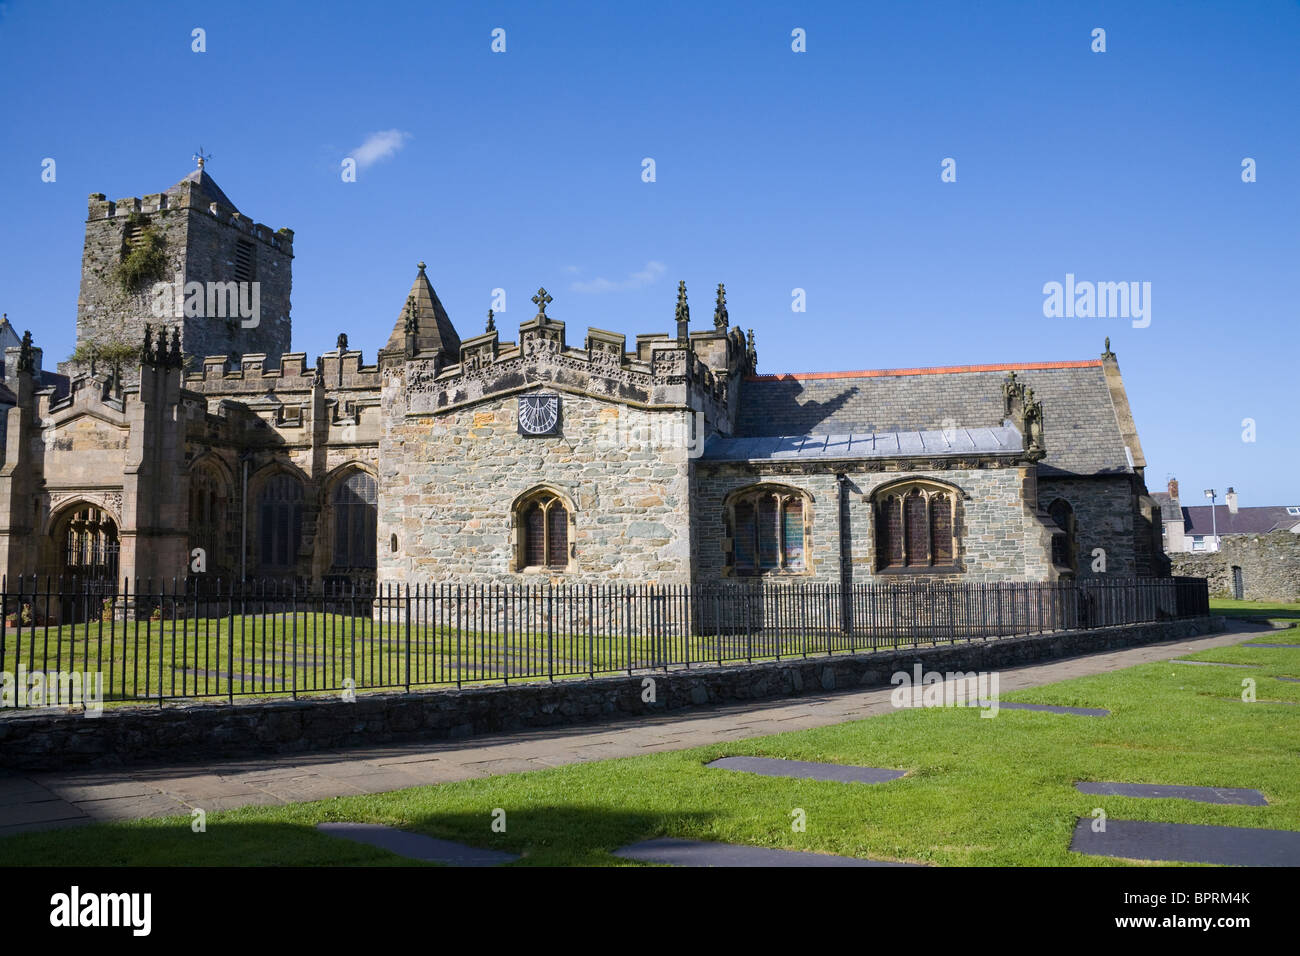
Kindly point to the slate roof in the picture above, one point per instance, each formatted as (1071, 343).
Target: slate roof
(209, 187)
(1169, 509)
(1197, 520)
(929, 444)
(1081, 430)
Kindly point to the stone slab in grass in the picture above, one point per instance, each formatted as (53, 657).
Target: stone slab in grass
(1293, 680)
(807, 770)
(1188, 843)
(1294, 647)
(1229, 795)
(1049, 708)
(416, 846)
(700, 853)
(1211, 663)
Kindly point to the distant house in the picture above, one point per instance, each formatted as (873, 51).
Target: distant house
(1193, 527)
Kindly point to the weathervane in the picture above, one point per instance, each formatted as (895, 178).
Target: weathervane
(200, 157)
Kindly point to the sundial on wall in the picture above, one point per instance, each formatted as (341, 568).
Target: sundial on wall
(539, 414)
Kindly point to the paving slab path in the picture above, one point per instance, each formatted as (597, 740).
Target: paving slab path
(1187, 843)
(40, 800)
(673, 852)
(417, 846)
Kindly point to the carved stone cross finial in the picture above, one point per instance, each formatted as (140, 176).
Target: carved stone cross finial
(542, 300)
(720, 318)
(343, 342)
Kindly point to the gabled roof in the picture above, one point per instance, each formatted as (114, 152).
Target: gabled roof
(1169, 509)
(208, 186)
(1197, 520)
(1081, 427)
(434, 331)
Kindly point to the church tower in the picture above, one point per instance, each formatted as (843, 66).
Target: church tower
(182, 258)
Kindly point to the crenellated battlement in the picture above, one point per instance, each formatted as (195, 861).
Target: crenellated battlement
(252, 373)
(698, 371)
(188, 196)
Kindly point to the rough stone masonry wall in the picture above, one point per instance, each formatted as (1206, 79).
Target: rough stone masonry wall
(1270, 566)
(204, 731)
(1104, 515)
(999, 537)
(105, 313)
(210, 257)
(448, 483)
(199, 245)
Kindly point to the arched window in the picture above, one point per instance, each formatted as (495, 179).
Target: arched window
(280, 522)
(768, 526)
(542, 530)
(90, 544)
(355, 511)
(1062, 542)
(916, 527)
(207, 514)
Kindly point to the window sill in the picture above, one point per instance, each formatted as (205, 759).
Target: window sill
(921, 569)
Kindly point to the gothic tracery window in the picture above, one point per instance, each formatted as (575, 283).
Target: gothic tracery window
(767, 530)
(207, 514)
(280, 522)
(916, 527)
(355, 512)
(542, 524)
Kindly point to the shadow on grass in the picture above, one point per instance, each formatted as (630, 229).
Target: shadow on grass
(1256, 611)
(541, 835)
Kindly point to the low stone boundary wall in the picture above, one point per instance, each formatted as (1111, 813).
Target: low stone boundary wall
(1269, 563)
(205, 731)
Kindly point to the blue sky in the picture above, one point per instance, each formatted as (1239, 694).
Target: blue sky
(775, 170)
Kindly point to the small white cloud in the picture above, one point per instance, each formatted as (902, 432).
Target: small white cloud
(381, 145)
(652, 271)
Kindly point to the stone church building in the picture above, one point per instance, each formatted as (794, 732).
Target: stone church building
(184, 439)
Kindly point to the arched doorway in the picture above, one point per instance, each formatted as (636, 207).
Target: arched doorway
(85, 542)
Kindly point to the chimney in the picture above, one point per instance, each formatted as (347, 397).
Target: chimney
(1230, 499)
(1173, 488)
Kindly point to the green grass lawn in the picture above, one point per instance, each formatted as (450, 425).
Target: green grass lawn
(978, 791)
(1257, 610)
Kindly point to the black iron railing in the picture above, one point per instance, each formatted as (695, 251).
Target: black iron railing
(201, 639)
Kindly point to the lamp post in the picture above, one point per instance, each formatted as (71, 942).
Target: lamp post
(1214, 517)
